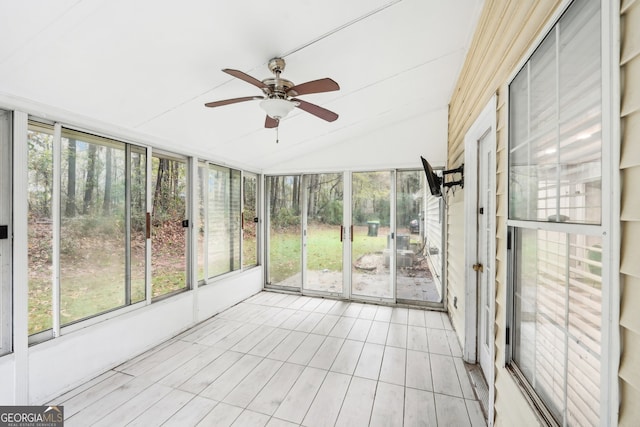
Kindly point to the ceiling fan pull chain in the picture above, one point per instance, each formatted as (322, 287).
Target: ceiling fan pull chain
(277, 134)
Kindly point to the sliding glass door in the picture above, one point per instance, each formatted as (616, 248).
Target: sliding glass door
(284, 231)
(380, 226)
(372, 256)
(414, 279)
(323, 233)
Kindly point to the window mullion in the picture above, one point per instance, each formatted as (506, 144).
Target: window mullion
(149, 209)
(566, 328)
(127, 224)
(56, 216)
(557, 102)
(529, 145)
(206, 191)
(241, 220)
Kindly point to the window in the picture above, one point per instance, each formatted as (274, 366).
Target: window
(168, 236)
(219, 220)
(86, 226)
(555, 170)
(249, 218)
(40, 225)
(201, 220)
(92, 237)
(223, 220)
(137, 224)
(88, 221)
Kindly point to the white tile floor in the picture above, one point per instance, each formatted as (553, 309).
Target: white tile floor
(284, 360)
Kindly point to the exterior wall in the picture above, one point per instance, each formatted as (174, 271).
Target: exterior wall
(505, 33)
(629, 373)
(522, 23)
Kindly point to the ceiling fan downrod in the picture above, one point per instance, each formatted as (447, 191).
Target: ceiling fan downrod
(280, 86)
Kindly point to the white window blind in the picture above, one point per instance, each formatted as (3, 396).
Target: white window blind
(558, 297)
(555, 124)
(224, 226)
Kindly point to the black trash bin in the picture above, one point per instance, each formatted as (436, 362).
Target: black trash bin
(373, 228)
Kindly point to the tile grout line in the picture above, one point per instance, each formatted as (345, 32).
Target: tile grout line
(250, 308)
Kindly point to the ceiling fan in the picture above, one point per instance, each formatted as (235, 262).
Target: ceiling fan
(279, 94)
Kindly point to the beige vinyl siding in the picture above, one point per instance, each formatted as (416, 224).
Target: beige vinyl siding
(505, 33)
(629, 374)
(455, 261)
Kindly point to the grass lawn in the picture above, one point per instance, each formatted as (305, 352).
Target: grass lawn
(91, 288)
(324, 249)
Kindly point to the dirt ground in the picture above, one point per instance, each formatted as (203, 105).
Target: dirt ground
(370, 277)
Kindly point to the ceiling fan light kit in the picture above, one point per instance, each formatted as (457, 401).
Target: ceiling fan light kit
(278, 100)
(277, 108)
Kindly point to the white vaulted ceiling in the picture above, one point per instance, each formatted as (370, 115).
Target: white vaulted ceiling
(149, 66)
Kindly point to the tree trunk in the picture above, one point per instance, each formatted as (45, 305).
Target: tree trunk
(273, 197)
(159, 194)
(175, 191)
(312, 196)
(137, 192)
(90, 181)
(70, 206)
(295, 196)
(106, 204)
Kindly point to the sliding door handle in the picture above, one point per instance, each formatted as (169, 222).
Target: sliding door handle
(341, 232)
(148, 235)
(351, 232)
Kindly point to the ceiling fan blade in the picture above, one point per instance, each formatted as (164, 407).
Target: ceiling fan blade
(271, 123)
(231, 101)
(315, 86)
(246, 77)
(316, 110)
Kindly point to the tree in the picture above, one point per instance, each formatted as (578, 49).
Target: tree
(40, 173)
(295, 195)
(70, 206)
(106, 204)
(159, 194)
(91, 179)
(138, 184)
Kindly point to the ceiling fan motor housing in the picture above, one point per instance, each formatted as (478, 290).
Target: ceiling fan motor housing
(277, 87)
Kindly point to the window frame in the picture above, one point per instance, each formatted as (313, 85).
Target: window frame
(205, 166)
(186, 161)
(609, 229)
(258, 212)
(18, 188)
(6, 208)
(57, 329)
